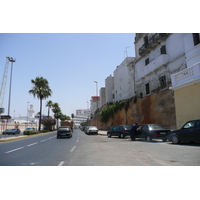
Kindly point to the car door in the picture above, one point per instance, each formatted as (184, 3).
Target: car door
(197, 131)
(141, 131)
(186, 133)
(118, 130)
(114, 130)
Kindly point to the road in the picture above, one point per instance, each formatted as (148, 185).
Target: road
(95, 150)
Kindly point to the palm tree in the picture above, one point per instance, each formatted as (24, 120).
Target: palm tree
(40, 90)
(57, 112)
(49, 105)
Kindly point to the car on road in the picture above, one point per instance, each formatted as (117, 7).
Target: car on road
(13, 131)
(190, 131)
(64, 131)
(120, 130)
(152, 131)
(92, 130)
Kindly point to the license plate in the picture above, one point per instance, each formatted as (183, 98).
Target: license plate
(163, 133)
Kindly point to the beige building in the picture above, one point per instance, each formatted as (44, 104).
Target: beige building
(186, 83)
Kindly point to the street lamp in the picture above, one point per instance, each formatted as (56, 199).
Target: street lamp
(27, 113)
(12, 61)
(96, 87)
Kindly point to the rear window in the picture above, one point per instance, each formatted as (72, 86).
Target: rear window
(155, 127)
(127, 127)
(64, 129)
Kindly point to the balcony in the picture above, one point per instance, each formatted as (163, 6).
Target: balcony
(159, 62)
(152, 43)
(186, 77)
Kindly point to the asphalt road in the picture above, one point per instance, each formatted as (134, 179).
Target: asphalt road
(95, 150)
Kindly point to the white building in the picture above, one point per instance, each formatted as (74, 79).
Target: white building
(82, 113)
(109, 87)
(94, 103)
(158, 55)
(102, 97)
(122, 80)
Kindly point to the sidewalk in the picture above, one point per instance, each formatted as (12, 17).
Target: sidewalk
(103, 133)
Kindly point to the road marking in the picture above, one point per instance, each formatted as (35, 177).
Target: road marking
(61, 163)
(32, 144)
(43, 140)
(50, 138)
(73, 148)
(14, 149)
(77, 140)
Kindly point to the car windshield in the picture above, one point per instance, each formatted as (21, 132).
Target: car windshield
(64, 129)
(93, 127)
(127, 127)
(155, 127)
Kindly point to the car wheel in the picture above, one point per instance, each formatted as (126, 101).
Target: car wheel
(109, 135)
(121, 135)
(175, 140)
(148, 139)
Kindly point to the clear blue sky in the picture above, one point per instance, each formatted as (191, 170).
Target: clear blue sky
(71, 62)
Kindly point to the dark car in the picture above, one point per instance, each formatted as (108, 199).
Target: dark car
(152, 131)
(64, 131)
(120, 130)
(189, 132)
(12, 131)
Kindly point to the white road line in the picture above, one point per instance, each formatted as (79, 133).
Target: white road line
(32, 144)
(50, 138)
(73, 148)
(43, 140)
(14, 149)
(61, 163)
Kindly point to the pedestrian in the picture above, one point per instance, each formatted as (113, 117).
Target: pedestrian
(133, 131)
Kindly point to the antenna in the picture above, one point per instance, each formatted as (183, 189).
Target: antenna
(126, 51)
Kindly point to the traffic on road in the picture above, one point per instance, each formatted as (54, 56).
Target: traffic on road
(96, 150)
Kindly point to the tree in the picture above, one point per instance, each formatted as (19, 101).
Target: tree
(49, 105)
(41, 90)
(57, 112)
(48, 123)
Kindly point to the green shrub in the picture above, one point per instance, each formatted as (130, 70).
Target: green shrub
(29, 132)
(110, 110)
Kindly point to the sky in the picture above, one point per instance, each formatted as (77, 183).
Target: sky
(71, 62)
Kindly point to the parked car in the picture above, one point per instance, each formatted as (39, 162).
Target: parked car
(12, 131)
(64, 131)
(190, 131)
(120, 130)
(30, 129)
(152, 131)
(92, 130)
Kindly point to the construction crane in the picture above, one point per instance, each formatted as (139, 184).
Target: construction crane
(3, 84)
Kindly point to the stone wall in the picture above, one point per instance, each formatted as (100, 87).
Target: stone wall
(156, 108)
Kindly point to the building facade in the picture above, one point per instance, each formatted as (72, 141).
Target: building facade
(186, 83)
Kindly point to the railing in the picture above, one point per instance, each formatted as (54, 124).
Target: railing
(186, 76)
(152, 42)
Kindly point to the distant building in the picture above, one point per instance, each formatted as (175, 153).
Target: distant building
(83, 113)
(94, 104)
(102, 97)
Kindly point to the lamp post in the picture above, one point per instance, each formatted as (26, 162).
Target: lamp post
(96, 87)
(12, 61)
(27, 114)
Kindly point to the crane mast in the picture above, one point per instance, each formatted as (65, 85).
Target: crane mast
(3, 84)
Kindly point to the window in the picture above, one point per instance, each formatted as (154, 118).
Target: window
(147, 89)
(163, 82)
(147, 61)
(146, 41)
(196, 38)
(189, 125)
(163, 50)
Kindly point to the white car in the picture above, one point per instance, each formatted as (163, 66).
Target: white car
(92, 130)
